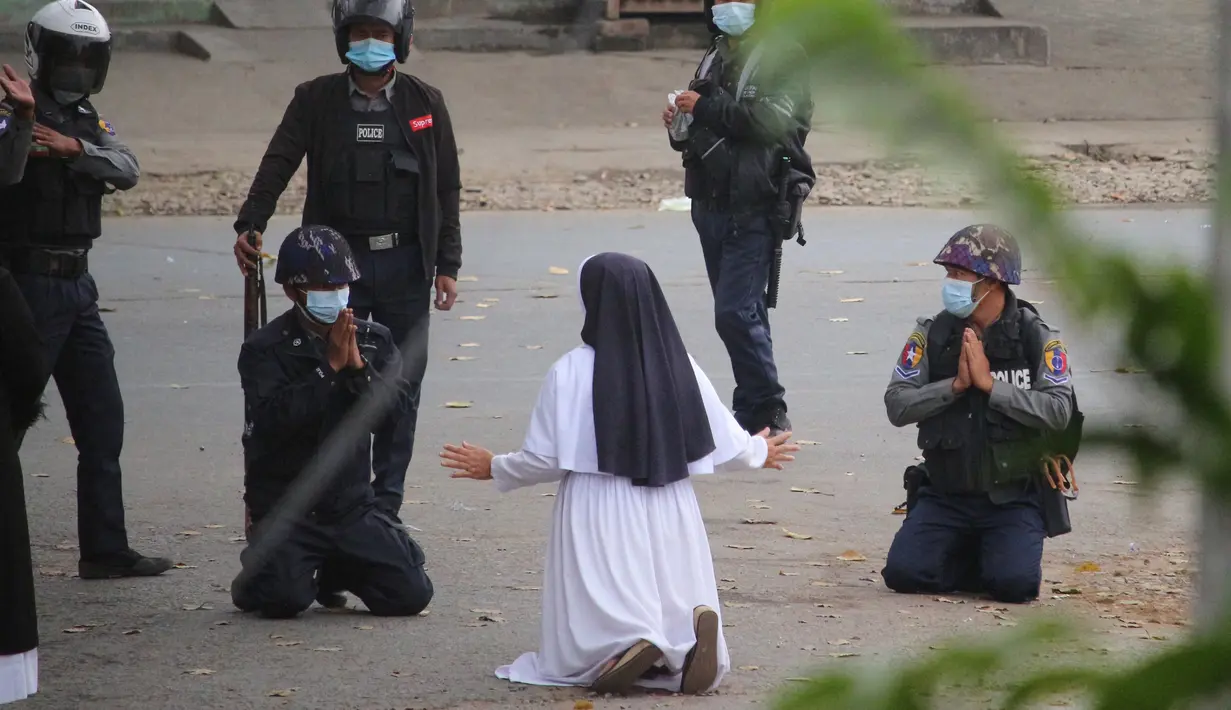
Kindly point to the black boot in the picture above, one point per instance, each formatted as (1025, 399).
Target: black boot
(129, 564)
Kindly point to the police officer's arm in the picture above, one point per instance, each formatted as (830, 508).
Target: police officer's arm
(109, 160)
(911, 396)
(282, 158)
(782, 104)
(15, 133)
(1048, 404)
(276, 407)
(449, 191)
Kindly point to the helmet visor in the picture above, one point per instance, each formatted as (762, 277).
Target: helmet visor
(389, 12)
(73, 64)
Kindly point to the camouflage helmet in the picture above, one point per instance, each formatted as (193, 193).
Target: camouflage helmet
(315, 256)
(985, 249)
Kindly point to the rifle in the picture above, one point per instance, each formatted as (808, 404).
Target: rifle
(787, 222)
(255, 317)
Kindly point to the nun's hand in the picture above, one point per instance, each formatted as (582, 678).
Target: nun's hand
(779, 451)
(469, 461)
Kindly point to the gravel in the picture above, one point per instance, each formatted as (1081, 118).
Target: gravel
(1176, 179)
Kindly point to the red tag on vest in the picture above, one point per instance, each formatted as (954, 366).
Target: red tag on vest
(418, 124)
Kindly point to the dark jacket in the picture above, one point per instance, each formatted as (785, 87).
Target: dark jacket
(303, 131)
(22, 374)
(733, 158)
(293, 400)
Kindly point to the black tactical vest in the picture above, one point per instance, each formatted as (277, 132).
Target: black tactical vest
(54, 206)
(373, 185)
(970, 447)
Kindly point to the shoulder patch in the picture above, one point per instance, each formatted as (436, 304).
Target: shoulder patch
(106, 126)
(5, 121)
(912, 353)
(5, 109)
(1056, 362)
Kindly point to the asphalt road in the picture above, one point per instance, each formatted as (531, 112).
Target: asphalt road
(176, 322)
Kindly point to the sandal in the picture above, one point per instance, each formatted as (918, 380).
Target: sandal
(701, 664)
(620, 676)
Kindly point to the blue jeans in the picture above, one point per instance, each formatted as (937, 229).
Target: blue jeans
(739, 252)
(946, 538)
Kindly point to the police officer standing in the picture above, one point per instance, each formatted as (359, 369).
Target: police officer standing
(741, 127)
(16, 125)
(989, 384)
(302, 374)
(382, 170)
(48, 222)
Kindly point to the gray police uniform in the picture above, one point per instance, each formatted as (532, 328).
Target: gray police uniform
(980, 507)
(48, 223)
(15, 134)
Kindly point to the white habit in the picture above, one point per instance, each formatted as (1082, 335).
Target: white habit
(18, 676)
(624, 562)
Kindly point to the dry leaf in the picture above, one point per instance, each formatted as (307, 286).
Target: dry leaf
(461, 358)
(839, 320)
(950, 601)
(852, 556)
(473, 317)
(544, 295)
(534, 347)
(1065, 591)
(582, 704)
(457, 405)
(132, 632)
(482, 305)
(751, 521)
(65, 546)
(470, 279)
(839, 642)
(547, 495)
(918, 263)
(857, 352)
(189, 533)
(759, 507)
(492, 618)
(199, 671)
(468, 345)
(203, 606)
(328, 649)
(795, 536)
(741, 547)
(281, 693)
(1088, 567)
(485, 611)
(491, 300)
(240, 538)
(851, 300)
(77, 630)
(214, 527)
(787, 574)
(830, 272)
(1125, 483)
(750, 668)
(425, 612)
(557, 271)
(526, 589)
(288, 644)
(68, 440)
(843, 655)
(40, 475)
(806, 442)
(222, 623)
(824, 584)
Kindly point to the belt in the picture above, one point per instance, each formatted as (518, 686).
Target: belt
(380, 242)
(40, 262)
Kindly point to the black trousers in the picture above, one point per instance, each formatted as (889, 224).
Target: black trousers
(82, 362)
(365, 554)
(393, 290)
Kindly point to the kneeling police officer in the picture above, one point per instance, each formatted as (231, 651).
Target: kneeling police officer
(302, 374)
(48, 223)
(383, 171)
(989, 384)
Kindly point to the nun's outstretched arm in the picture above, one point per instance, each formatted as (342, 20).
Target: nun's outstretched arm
(752, 457)
(523, 469)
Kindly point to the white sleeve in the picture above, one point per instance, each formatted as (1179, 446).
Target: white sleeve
(541, 436)
(522, 469)
(752, 457)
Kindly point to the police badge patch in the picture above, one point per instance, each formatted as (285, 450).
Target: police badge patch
(912, 355)
(106, 126)
(1055, 363)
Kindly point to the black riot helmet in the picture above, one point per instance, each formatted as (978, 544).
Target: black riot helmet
(709, 18)
(398, 14)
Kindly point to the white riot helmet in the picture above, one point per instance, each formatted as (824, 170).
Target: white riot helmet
(68, 49)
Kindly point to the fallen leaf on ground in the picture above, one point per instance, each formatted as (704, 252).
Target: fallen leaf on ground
(485, 611)
(557, 271)
(918, 263)
(795, 535)
(282, 693)
(534, 347)
(824, 584)
(203, 606)
(199, 671)
(491, 300)
(852, 556)
(457, 405)
(214, 527)
(829, 616)
(1088, 567)
(750, 668)
(425, 612)
(40, 475)
(473, 317)
(846, 654)
(857, 352)
(781, 573)
(806, 442)
(526, 589)
(328, 649)
(939, 647)
(950, 601)
(65, 546)
(851, 300)
(468, 345)
(189, 533)
(241, 538)
(76, 629)
(839, 320)
(288, 644)
(741, 547)
(482, 305)
(1125, 483)
(132, 632)
(461, 358)
(222, 623)
(547, 495)
(751, 521)
(582, 704)
(492, 618)
(839, 642)
(68, 440)
(759, 507)
(544, 295)
(50, 572)
(1065, 590)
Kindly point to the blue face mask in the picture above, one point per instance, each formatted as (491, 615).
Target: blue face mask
(371, 55)
(734, 18)
(324, 306)
(958, 297)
